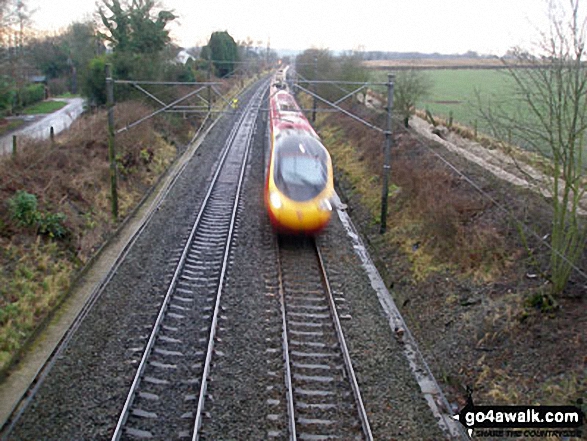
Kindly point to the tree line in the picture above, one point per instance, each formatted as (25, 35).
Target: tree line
(133, 36)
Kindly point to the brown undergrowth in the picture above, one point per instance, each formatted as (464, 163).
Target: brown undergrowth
(69, 179)
(460, 272)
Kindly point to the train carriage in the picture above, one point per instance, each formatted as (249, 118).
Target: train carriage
(299, 184)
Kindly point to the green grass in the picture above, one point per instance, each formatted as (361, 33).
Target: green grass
(456, 91)
(44, 107)
(66, 95)
(466, 92)
(40, 278)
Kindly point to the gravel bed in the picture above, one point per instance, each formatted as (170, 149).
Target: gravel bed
(392, 397)
(86, 388)
(247, 379)
(253, 406)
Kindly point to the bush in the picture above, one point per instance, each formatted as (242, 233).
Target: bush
(179, 72)
(7, 95)
(31, 94)
(51, 224)
(94, 84)
(23, 210)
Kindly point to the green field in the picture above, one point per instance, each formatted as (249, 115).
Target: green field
(464, 92)
(457, 90)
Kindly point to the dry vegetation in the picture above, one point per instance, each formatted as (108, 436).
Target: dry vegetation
(460, 272)
(433, 210)
(70, 180)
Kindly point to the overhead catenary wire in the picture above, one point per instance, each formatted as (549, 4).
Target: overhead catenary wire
(346, 112)
(137, 84)
(455, 169)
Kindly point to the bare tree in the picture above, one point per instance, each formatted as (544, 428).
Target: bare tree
(550, 117)
(14, 31)
(409, 88)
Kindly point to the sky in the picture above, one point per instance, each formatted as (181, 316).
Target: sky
(449, 26)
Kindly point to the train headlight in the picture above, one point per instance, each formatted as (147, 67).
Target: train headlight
(275, 200)
(325, 205)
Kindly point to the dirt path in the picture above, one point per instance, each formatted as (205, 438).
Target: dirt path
(495, 161)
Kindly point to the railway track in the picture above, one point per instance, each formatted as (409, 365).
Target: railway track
(167, 396)
(323, 397)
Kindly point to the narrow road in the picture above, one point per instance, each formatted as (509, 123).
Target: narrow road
(41, 128)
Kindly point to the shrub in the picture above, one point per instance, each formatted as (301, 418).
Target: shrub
(7, 95)
(23, 209)
(94, 84)
(51, 224)
(31, 94)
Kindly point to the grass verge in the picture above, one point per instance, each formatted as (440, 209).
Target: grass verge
(7, 126)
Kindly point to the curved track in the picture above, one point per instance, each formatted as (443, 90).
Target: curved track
(323, 397)
(167, 396)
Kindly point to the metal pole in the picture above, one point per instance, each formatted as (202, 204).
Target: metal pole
(387, 155)
(314, 89)
(14, 145)
(111, 145)
(209, 88)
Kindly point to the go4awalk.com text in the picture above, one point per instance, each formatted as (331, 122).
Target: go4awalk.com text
(521, 421)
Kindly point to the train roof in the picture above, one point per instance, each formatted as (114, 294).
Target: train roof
(285, 102)
(297, 142)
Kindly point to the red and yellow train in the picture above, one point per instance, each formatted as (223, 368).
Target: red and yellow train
(299, 181)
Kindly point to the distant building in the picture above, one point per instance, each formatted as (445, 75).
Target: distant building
(183, 56)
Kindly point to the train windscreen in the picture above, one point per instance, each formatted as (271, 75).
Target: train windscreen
(300, 168)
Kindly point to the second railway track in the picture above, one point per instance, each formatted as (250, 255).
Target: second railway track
(324, 401)
(166, 398)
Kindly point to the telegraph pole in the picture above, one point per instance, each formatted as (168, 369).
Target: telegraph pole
(387, 155)
(111, 145)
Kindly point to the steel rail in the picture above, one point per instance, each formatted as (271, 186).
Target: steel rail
(43, 371)
(150, 344)
(204, 383)
(286, 359)
(345, 352)
(350, 373)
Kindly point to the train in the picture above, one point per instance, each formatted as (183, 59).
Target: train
(299, 180)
